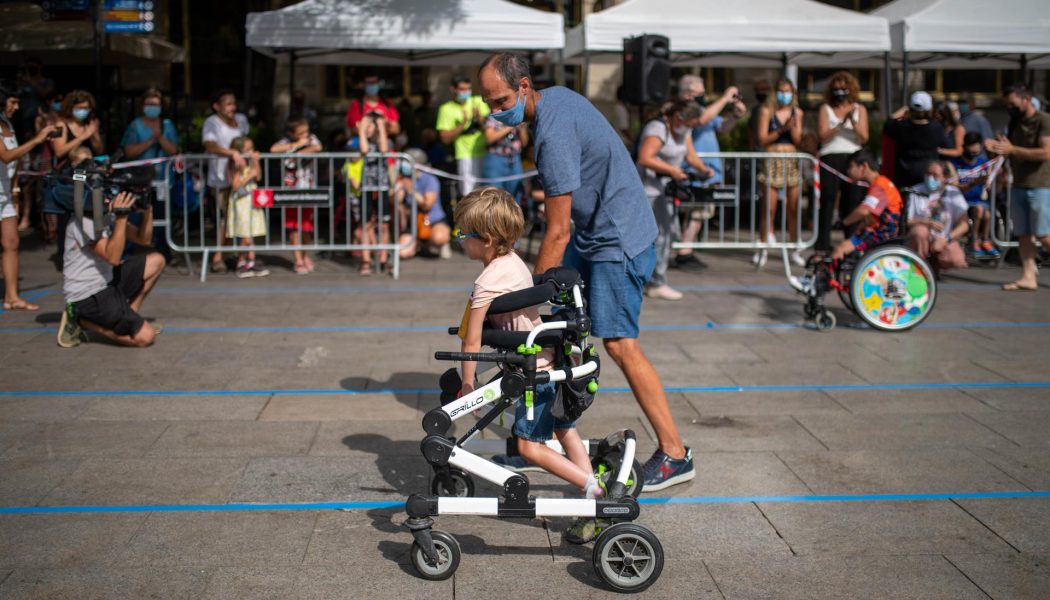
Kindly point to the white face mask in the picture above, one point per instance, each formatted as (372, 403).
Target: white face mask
(681, 130)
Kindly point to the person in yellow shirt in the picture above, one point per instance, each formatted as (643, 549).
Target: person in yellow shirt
(460, 122)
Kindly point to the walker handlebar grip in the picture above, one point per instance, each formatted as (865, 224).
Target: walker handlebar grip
(453, 330)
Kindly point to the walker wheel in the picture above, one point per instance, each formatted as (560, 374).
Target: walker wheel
(628, 557)
(462, 484)
(447, 560)
(825, 321)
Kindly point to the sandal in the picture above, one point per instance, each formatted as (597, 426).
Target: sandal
(1013, 286)
(21, 304)
(365, 270)
(301, 270)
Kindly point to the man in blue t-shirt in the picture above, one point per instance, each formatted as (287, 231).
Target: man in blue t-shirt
(588, 178)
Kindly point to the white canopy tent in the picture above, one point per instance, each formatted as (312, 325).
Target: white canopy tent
(401, 32)
(970, 34)
(756, 33)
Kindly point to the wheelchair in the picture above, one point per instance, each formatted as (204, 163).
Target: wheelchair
(627, 557)
(889, 286)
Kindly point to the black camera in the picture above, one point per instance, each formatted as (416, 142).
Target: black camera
(98, 177)
(54, 134)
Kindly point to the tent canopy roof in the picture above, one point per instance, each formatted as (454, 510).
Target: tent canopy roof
(402, 31)
(761, 28)
(969, 26)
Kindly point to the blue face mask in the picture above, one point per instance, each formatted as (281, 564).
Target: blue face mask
(372, 89)
(151, 112)
(406, 169)
(932, 183)
(463, 96)
(81, 114)
(513, 116)
(56, 106)
(784, 98)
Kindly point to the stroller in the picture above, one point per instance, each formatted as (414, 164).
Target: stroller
(627, 557)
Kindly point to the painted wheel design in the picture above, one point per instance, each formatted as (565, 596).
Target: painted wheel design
(893, 289)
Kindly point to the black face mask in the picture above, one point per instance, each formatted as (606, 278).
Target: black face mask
(969, 156)
(701, 99)
(761, 96)
(1014, 112)
(839, 96)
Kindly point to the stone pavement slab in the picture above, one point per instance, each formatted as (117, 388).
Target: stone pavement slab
(748, 434)
(342, 407)
(42, 408)
(1024, 524)
(880, 528)
(220, 538)
(1020, 577)
(174, 408)
(927, 577)
(1012, 399)
(897, 472)
(234, 439)
(80, 439)
(25, 481)
(894, 431)
(330, 479)
(907, 401)
(186, 583)
(1030, 466)
(65, 540)
(99, 481)
(1028, 429)
(762, 403)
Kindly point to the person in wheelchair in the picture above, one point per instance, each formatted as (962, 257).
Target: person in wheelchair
(937, 220)
(489, 222)
(878, 217)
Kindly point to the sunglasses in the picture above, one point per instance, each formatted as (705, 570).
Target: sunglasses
(460, 236)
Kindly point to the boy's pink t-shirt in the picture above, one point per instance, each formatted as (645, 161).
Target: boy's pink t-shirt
(505, 274)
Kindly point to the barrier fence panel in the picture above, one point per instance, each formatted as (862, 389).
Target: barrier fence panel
(731, 212)
(1000, 191)
(332, 201)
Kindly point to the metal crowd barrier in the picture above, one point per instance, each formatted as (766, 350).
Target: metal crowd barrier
(734, 207)
(1000, 191)
(310, 189)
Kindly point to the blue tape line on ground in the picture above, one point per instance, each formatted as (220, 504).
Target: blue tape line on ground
(609, 390)
(711, 326)
(368, 505)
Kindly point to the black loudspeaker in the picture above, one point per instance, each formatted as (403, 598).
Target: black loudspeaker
(647, 69)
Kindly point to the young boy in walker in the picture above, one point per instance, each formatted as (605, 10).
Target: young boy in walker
(489, 222)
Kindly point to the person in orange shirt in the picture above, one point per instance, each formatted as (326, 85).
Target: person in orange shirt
(879, 215)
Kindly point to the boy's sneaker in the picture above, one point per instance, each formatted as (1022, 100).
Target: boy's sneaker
(662, 471)
(244, 271)
(258, 269)
(516, 464)
(585, 529)
(69, 333)
(990, 250)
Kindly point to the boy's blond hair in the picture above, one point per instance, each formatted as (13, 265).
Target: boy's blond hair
(491, 212)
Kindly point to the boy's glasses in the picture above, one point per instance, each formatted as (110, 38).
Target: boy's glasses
(460, 236)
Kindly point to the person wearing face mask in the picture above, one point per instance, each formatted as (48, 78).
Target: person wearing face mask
(779, 131)
(150, 136)
(971, 184)
(973, 121)
(10, 152)
(842, 126)
(665, 145)
(371, 102)
(432, 224)
(460, 123)
(917, 138)
(937, 220)
(81, 128)
(1027, 147)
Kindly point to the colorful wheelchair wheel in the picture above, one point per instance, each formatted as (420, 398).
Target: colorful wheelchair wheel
(893, 288)
(628, 557)
(462, 485)
(448, 554)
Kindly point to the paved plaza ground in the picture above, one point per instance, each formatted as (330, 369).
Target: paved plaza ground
(848, 464)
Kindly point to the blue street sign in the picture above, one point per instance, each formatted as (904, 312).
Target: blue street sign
(128, 5)
(65, 5)
(129, 26)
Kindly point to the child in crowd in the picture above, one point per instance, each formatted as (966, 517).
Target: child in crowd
(371, 176)
(244, 221)
(299, 173)
(972, 184)
(489, 223)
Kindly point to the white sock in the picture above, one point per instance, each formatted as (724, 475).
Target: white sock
(591, 489)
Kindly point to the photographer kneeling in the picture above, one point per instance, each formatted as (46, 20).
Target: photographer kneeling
(102, 293)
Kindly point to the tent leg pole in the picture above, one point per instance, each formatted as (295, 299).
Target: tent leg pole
(248, 77)
(904, 78)
(291, 74)
(887, 86)
(586, 76)
(1024, 70)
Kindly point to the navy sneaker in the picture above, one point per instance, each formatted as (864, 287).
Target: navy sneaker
(662, 471)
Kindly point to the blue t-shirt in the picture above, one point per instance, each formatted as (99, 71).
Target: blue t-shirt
(705, 139)
(973, 194)
(426, 183)
(138, 132)
(578, 152)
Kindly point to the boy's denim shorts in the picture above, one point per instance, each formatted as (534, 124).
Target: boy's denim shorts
(541, 427)
(613, 291)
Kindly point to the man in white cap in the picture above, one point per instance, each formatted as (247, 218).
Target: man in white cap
(917, 138)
